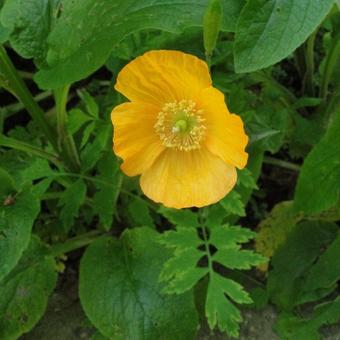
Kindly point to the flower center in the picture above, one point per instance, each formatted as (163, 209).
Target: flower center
(180, 125)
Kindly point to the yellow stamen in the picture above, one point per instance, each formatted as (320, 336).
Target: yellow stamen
(180, 125)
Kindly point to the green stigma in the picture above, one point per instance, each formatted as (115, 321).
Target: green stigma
(180, 126)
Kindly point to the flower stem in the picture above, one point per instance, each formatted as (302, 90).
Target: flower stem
(308, 85)
(28, 148)
(11, 80)
(65, 140)
(281, 163)
(330, 63)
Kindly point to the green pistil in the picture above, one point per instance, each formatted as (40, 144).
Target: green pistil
(181, 126)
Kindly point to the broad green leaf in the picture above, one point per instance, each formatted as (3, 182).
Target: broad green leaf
(180, 218)
(318, 186)
(326, 271)
(292, 260)
(121, 295)
(16, 221)
(269, 30)
(24, 292)
(292, 327)
(88, 130)
(105, 199)
(140, 214)
(70, 202)
(87, 31)
(29, 23)
(274, 229)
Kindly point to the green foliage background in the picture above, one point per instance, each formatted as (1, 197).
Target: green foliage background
(145, 271)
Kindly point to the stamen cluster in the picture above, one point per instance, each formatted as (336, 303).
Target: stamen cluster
(180, 125)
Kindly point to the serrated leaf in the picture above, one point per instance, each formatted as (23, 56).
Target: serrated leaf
(28, 24)
(233, 204)
(238, 259)
(180, 218)
(245, 178)
(318, 184)
(269, 30)
(73, 197)
(121, 295)
(229, 236)
(86, 32)
(186, 268)
(24, 295)
(16, 221)
(219, 310)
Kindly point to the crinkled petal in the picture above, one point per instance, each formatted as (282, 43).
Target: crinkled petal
(163, 76)
(225, 136)
(135, 139)
(180, 179)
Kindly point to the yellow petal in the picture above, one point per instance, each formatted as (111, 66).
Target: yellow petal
(163, 76)
(225, 132)
(135, 139)
(181, 179)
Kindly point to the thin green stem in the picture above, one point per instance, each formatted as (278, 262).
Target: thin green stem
(14, 83)
(65, 140)
(75, 243)
(281, 163)
(99, 181)
(308, 84)
(330, 63)
(28, 148)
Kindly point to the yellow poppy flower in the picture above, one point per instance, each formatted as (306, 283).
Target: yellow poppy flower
(176, 131)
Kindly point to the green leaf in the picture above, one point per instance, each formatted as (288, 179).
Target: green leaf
(245, 179)
(29, 24)
(121, 295)
(70, 202)
(76, 118)
(105, 198)
(86, 32)
(16, 221)
(94, 150)
(186, 268)
(269, 30)
(292, 327)
(219, 310)
(90, 104)
(7, 184)
(24, 292)
(233, 204)
(326, 271)
(293, 260)
(180, 218)
(275, 228)
(140, 214)
(318, 184)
